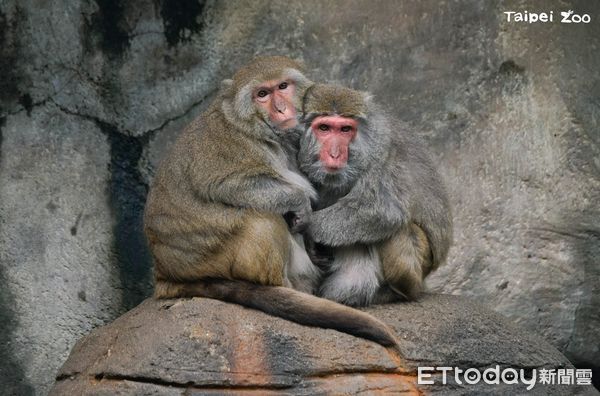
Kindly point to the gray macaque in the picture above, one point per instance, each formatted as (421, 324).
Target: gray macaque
(382, 211)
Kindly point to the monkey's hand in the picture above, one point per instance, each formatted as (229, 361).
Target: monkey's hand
(298, 221)
(322, 256)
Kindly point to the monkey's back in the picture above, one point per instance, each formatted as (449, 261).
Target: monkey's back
(411, 165)
(186, 223)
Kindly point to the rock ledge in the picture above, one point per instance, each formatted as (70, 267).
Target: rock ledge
(172, 347)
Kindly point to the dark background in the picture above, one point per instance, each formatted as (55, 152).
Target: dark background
(92, 94)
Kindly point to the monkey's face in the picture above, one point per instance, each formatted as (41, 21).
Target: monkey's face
(266, 91)
(275, 99)
(330, 152)
(334, 133)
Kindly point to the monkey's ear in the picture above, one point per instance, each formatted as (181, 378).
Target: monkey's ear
(226, 85)
(242, 103)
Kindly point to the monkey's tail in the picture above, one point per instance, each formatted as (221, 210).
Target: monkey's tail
(295, 306)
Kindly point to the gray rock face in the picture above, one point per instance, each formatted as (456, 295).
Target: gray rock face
(204, 346)
(93, 93)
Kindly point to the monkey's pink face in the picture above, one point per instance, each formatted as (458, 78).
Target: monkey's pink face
(335, 133)
(276, 97)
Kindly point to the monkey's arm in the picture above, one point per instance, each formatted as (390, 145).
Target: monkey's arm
(259, 189)
(368, 214)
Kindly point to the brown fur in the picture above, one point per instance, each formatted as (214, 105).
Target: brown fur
(184, 228)
(406, 260)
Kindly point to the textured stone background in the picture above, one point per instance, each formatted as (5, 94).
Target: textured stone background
(92, 93)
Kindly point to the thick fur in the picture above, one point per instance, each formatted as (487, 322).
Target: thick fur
(214, 220)
(389, 197)
(288, 304)
(354, 277)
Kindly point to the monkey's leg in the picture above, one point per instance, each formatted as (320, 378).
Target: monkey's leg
(354, 276)
(406, 260)
(256, 252)
(301, 273)
(261, 251)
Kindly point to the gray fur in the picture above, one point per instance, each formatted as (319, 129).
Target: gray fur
(390, 181)
(354, 277)
(302, 274)
(394, 183)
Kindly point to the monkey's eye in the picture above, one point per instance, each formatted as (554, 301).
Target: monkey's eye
(283, 85)
(262, 93)
(324, 127)
(346, 128)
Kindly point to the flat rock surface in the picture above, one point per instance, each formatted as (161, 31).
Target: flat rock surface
(172, 347)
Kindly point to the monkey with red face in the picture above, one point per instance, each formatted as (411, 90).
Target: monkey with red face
(382, 208)
(213, 217)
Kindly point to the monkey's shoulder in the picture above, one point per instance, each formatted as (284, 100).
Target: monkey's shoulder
(213, 145)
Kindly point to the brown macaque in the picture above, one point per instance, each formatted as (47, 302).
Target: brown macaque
(214, 214)
(383, 212)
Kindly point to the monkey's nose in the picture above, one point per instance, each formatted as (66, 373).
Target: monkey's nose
(334, 152)
(280, 106)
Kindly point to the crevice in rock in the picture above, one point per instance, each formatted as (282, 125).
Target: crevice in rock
(78, 71)
(336, 373)
(128, 192)
(27, 102)
(577, 234)
(147, 135)
(181, 115)
(275, 386)
(191, 385)
(63, 377)
(22, 108)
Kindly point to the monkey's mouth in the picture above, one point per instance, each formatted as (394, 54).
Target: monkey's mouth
(333, 168)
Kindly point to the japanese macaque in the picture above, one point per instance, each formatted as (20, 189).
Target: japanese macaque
(382, 211)
(214, 215)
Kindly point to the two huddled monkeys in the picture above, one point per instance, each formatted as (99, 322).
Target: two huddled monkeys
(214, 215)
